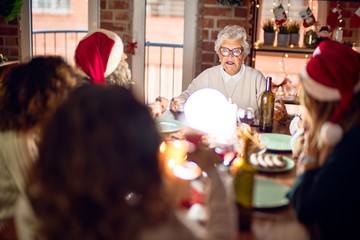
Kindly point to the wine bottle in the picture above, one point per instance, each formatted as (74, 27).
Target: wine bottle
(244, 178)
(267, 103)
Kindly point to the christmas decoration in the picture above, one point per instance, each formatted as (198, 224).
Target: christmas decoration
(355, 19)
(280, 15)
(308, 17)
(323, 35)
(334, 17)
(131, 46)
(3, 58)
(10, 9)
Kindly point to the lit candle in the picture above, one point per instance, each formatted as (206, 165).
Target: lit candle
(172, 156)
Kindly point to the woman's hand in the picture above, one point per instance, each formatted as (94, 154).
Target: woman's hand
(155, 109)
(158, 107)
(177, 105)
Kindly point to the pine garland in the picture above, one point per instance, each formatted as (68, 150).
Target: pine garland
(10, 9)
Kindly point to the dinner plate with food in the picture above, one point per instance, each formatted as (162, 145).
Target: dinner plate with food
(271, 163)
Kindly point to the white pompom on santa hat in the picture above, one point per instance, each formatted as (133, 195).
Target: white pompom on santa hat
(98, 54)
(332, 74)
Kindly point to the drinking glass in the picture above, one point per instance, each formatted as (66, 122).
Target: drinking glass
(246, 115)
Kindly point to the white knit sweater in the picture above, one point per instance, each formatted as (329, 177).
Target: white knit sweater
(245, 92)
(17, 152)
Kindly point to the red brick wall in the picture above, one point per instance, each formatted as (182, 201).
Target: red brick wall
(116, 16)
(9, 39)
(212, 17)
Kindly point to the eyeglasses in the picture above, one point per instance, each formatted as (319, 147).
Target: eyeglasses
(236, 52)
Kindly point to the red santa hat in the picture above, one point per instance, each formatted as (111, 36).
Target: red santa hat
(98, 54)
(332, 74)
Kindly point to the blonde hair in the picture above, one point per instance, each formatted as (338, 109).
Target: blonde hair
(318, 112)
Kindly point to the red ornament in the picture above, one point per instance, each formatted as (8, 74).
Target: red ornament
(131, 47)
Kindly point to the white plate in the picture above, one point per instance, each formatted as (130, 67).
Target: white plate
(289, 164)
(269, 194)
(276, 141)
(167, 125)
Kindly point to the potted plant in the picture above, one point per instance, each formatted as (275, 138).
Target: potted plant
(269, 32)
(283, 36)
(294, 28)
(10, 9)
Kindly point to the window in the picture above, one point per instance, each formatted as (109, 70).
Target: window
(51, 6)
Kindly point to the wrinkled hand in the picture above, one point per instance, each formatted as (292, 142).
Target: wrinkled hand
(164, 103)
(280, 113)
(155, 109)
(158, 107)
(177, 104)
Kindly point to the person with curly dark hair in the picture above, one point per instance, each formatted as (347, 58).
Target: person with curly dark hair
(29, 95)
(98, 175)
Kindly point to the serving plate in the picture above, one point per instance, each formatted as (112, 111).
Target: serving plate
(289, 164)
(168, 125)
(269, 194)
(276, 141)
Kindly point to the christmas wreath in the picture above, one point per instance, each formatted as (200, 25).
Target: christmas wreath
(10, 9)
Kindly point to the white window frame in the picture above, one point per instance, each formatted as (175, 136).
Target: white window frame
(138, 60)
(26, 23)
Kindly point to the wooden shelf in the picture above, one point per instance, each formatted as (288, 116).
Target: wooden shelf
(295, 49)
(4, 64)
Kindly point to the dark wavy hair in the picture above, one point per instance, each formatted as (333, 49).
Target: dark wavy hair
(32, 91)
(98, 176)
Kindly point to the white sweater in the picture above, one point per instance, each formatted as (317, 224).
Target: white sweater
(17, 152)
(245, 93)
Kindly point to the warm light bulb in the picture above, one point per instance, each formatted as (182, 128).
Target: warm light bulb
(209, 111)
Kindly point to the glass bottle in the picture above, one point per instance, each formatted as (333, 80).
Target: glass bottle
(244, 177)
(267, 103)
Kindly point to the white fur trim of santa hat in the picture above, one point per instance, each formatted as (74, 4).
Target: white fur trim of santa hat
(332, 74)
(330, 134)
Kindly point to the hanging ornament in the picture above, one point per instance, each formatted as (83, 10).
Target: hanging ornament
(132, 45)
(355, 19)
(308, 17)
(334, 17)
(280, 15)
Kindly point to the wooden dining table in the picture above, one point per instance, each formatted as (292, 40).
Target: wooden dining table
(272, 223)
(281, 222)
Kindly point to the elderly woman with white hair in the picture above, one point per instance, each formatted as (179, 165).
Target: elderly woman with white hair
(235, 80)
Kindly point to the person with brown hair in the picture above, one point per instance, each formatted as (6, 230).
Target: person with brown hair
(325, 194)
(29, 95)
(98, 175)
